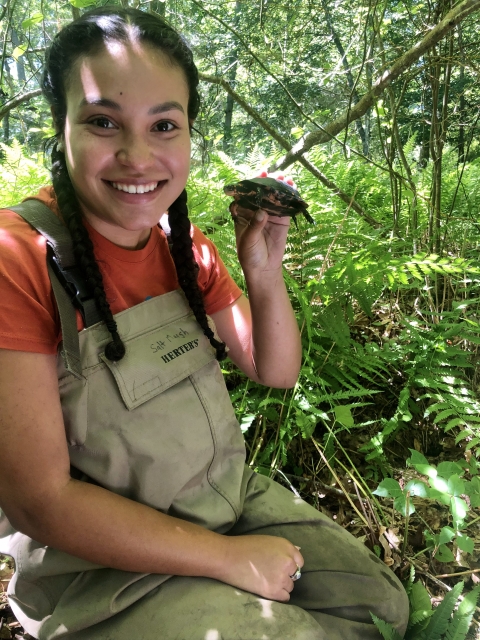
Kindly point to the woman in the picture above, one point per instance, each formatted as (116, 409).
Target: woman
(127, 505)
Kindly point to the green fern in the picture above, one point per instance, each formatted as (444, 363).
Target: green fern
(441, 616)
(387, 631)
(459, 626)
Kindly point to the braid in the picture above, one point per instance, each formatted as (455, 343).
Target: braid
(83, 249)
(187, 268)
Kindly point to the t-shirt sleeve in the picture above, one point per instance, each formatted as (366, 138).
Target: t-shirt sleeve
(218, 287)
(28, 315)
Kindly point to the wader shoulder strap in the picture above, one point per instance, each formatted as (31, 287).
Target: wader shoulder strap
(68, 284)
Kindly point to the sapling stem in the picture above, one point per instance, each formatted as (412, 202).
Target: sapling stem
(407, 518)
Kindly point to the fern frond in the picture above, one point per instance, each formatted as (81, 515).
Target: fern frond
(387, 631)
(441, 616)
(459, 626)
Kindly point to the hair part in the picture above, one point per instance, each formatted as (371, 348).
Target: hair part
(87, 36)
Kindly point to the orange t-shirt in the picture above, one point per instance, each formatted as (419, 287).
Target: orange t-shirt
(29, 319)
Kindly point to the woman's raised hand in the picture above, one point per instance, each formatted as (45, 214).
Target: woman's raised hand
(260, 238)
(261, 564)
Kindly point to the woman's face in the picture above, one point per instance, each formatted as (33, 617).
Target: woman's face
(127, 139)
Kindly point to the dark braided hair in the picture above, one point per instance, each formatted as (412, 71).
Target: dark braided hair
(87, 36)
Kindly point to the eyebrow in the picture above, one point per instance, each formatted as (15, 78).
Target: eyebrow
(111, 104)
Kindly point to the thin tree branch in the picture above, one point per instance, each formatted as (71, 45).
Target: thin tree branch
(286, 145)
(257, 59)
(11, 104)
(451, 20)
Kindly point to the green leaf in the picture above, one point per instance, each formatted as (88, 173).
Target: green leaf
(475, 501)
(400, 504)
(447, 469)
(19, 51)
(419, 598)
(439, 484)
(421, 464)
(445, 535)
(444, 554)
(417, 488)
(444, 498)
(35, 18)
(388, 488)
(80, 4)
(464, 543)
(459, 509)
(456, 486)
(343, 415)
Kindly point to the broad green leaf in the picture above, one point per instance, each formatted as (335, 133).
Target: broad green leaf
(465, 543)
(417, 488)
(439, 484)
(456, 486)
(444, 554)
(475, 501)
(459, 509)
(388, 488)
(419, 598)
(421, 464)
(35, 18)
(445, 535)
(447, 469)
(444, 498)
(400, 504)
(343, 414)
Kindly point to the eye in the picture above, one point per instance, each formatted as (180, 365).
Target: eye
(102, 122)
(165, 126)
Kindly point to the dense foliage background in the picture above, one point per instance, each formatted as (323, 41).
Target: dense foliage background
(373, 108)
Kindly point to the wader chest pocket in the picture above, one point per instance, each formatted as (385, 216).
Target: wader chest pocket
(159, 359)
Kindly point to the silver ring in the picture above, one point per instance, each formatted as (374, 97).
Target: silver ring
(297, 575)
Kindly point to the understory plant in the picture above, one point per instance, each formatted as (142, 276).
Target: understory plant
(450, 620)
(453, 484)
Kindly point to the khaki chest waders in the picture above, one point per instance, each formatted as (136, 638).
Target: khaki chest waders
(158, 427)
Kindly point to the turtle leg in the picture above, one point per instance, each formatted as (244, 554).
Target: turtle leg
(308, 217)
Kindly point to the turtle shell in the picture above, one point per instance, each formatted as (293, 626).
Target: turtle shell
(275, 197)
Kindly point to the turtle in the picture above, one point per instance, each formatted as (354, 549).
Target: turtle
(275, 197)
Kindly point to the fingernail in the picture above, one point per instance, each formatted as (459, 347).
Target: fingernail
(297, 547)
(260, 215)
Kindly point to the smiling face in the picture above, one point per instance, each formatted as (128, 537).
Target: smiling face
(127, 139)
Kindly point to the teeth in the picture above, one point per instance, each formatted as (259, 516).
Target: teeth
(134, 188)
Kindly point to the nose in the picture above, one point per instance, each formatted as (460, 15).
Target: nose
(135, 151)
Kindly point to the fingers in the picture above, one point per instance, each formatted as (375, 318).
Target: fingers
(278, 176)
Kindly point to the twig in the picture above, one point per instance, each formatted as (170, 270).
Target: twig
(460, 573)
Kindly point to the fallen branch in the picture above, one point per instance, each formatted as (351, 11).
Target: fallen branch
(11, 104)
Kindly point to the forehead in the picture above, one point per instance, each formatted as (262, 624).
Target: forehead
(136, 72)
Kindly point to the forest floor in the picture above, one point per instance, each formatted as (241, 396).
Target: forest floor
(335, 492)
